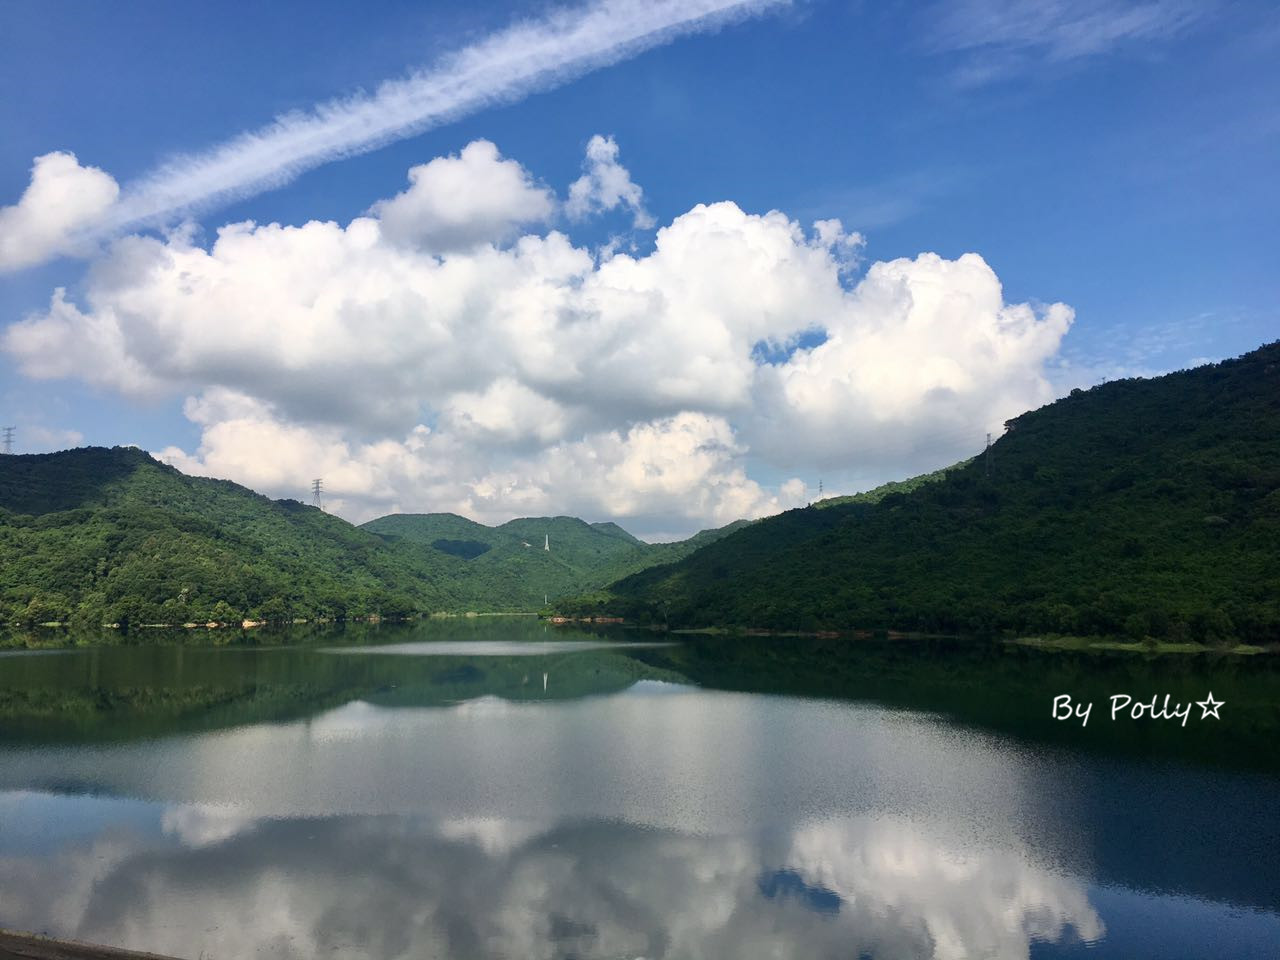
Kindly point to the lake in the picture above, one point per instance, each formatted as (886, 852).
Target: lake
(500, 788)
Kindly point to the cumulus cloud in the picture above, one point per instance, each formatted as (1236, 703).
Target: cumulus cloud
(531, 54)
(417, 361)
(63, 200)
(66, 200)
(459, 201)
(667, 473)
(606, 184)
(925, 345)
(845, 246)
(243, 438)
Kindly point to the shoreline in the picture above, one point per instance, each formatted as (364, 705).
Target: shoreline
(51, 637)
(1113, 645)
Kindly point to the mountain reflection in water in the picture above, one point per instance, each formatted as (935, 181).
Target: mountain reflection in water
(457, 806)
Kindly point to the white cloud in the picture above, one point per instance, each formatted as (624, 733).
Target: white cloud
(845, 246)
(31, 438)
(242, 438)
(63, 200)
(530, 55)
(518, 888)
(535, 377)
(677, 471)
(457, 202)
(606, 185)
(993, 903)
(923, 346)
(1005, 36)
(686, 466)
(1062, 30)
(507, 412)
(203, 825)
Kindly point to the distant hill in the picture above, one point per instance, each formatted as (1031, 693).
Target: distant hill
(1148, 508)
(511, 560)
(101, 535)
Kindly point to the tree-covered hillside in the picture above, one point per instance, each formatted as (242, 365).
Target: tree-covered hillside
(876, 494)
(1149, 508)
(96, 535)
(512, 560)
(110, 535)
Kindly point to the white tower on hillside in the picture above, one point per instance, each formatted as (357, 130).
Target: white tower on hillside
(546, 545)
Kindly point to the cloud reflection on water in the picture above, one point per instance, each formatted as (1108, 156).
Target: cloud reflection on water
(384, 887)
(665, 821)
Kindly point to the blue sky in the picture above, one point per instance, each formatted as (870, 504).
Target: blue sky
(1116, 157)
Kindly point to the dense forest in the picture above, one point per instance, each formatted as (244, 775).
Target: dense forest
(111, 536)
(1140, 508)
(512, 561)
(95, 536)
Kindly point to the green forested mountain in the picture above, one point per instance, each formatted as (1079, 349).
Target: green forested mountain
(112, 536)
(513, 559)
(877, 494)
(1142, 507)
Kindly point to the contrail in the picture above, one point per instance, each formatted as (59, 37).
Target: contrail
(505, 67)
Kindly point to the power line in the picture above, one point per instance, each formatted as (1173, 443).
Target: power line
(8, 439)
(317, 488)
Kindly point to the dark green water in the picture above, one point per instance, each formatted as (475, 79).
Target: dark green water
(496, 789)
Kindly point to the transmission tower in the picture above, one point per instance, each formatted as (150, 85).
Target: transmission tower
(986, 455)
(317, 488)
(8, 439)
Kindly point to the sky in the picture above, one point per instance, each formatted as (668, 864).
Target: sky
(664, 263)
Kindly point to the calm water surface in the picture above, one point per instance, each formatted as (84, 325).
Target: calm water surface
(450, 790)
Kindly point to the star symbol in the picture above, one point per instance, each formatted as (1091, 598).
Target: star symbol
(1210, 707)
